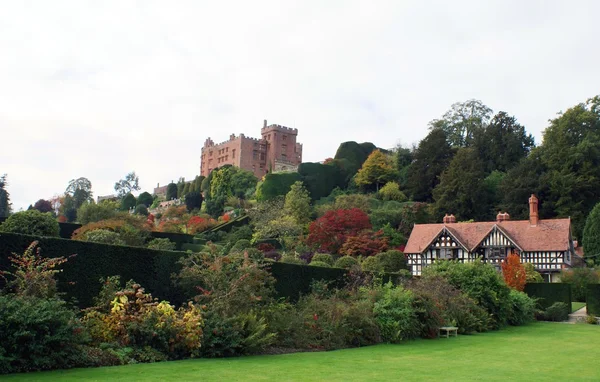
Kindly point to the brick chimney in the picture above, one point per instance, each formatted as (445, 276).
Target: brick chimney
(448, 219)
(533, 211)
(502, 216)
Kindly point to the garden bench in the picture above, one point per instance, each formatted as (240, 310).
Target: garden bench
(448, 330)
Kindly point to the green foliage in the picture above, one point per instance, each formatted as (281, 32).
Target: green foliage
(276, 184)
(392, 261)
(193, 200)
(127, 185)
(462, 121)
(92, 212)
(351, 156)
(37, 334)
(80, 192)
(395, 314)
(291, 259)
(171, 191)
(579, 278)
(31, 222)
(162, 244)
(372, 264)
(394, 237)
(323, 257)
(128, 202)
(141, 209)
(559, 311)
(531, 275)
(591, 236)
(145, 198)
(522, 308)
(297, 203)
(321, 179)
(479, 281)
(461, 189)
(431, 158)
(242, 181)
(391, 191)
(104, 236)
(346, 262)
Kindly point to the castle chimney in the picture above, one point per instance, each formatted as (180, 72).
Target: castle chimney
(448, 219)
(533, 211)
(265, 124)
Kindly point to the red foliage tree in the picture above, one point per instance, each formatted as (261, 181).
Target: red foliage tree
(330, 231)
(366, 243)
(514, 272)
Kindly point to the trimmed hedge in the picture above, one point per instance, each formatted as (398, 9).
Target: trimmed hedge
(549, 293)
(276, 184)
(593, 299)
(81, 274)
(321, 179)
(66, 229)
(294, 280)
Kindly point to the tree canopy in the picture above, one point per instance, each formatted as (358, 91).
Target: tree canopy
(127, 185)
(5, 205)
(377, 170)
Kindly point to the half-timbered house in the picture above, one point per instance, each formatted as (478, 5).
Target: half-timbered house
(545, 243)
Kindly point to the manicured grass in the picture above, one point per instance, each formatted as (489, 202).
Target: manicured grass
(536, 352)
(575, 306)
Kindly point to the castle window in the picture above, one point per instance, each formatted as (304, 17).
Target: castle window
(254, 154)
(284, 137)
(262, 156)
(284, 147)
(227, 149)
(232, 153)
(283, 156)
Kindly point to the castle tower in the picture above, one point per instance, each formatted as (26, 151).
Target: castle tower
(282, 148)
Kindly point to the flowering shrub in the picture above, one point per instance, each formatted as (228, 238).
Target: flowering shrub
(133, 318)
(197, 224)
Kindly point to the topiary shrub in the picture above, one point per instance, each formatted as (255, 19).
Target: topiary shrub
(162, 244)
(346, 262)
(290, 259)
(372, 264)
(32, 222)
(104, 236)
(320, 264)
(141, 209)
(559, 311)
(323, 257)
(392, 261)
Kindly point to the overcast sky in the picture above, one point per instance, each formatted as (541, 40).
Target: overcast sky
(101, 88)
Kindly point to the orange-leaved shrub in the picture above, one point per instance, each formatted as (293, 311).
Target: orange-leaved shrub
(514, 272)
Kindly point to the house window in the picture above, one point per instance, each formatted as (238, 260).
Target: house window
(446, 253)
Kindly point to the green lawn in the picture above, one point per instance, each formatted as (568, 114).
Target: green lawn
(575, 306)
(540, 351)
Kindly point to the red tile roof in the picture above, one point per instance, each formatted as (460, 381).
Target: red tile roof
(548, 235)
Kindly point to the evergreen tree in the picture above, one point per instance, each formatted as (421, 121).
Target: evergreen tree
(591, 237)
(5, 205)
(171, 191)
(430, 159)
(145, 198)
(461, 190)
(297, 203)
(128, 202)
(193, 200)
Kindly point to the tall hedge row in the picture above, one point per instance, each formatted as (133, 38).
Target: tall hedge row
(152, 269)
(593, 299)
(321, 179)
(549, 293)
(81, 274)
(276, 184)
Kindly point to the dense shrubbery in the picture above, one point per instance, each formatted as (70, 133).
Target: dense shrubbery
(31, 222)
(580, 278)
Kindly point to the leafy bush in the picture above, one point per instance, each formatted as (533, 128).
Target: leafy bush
(31, 222)
(580, 278)
(392, 261)
(365, 243)
(391, 191)
(323, 257)
(320, 264)
(479, 281)
(346, 262)
(141, 209)
(455, 308)
(276, 256)
(559, 311)
(92, 212)
(37, 334)
(372, 264)
(133, 318)
(162, 244)
(395, 314)
(134, 231)
(104, 236)
(241, 245)
(523, 308)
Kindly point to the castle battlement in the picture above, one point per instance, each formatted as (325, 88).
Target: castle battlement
(279, 128)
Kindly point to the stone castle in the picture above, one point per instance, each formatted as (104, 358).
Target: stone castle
(276, 150)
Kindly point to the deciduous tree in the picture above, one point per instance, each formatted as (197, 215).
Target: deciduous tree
(127, 185)
(330, 231)
(43, 205)
(377, 170)
(297, 203)
(591, 236)
(514, 272)
(462, 120)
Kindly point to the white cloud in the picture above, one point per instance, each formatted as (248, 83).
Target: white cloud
(98, 89)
